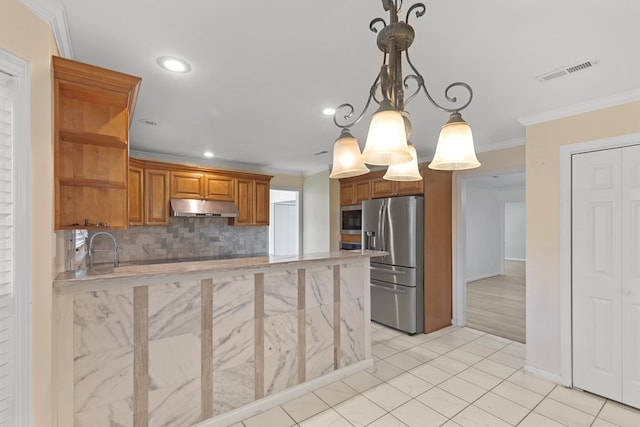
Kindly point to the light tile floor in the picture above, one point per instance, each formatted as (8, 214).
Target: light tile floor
(453, 377)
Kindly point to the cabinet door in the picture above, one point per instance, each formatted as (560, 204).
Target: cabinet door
(409, 188)
(244, 201)
(219, 187)
(187, 185)
(362, 191)
(381, 187)
(347, 194)
(156, 192)
(136, 196)
(261, 203)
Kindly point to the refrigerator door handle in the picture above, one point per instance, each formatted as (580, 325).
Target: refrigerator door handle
(384, 270)
(380, 238)
(395, 291)
(383, 226)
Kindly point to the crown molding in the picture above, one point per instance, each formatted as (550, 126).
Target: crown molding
(516, 142)
(54, 14)
(584, 107)
(215, 163)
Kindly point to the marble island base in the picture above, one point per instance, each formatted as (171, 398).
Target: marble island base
(209, 346)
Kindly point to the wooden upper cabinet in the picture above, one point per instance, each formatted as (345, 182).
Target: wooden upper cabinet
(219, 187)
(136, 194)
(353, 193)
(244, 202)
(252, 200)
(381, 187)
(187, 185)
(156, 196)
(93, 109)
(262, 202)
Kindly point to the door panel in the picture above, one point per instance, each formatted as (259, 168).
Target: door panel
(596, 272)
(630, 287)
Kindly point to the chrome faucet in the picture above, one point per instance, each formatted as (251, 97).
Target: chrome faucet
(116, 258)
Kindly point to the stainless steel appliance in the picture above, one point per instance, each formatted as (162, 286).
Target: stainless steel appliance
(351, 219)
(396, 225)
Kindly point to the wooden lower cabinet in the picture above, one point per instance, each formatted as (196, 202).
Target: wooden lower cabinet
(156, 195)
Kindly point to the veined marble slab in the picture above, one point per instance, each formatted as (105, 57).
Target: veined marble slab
(266, 328)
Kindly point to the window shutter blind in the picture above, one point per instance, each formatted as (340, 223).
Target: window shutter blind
(7, 301)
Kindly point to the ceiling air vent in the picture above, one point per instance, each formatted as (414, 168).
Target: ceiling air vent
(556, 74)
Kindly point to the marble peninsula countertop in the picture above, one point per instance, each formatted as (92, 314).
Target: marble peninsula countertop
(134, 274)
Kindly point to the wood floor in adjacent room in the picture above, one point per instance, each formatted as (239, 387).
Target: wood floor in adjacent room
(497, 304)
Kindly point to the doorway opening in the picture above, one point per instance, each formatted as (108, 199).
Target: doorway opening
(285, 224)
(492, 274)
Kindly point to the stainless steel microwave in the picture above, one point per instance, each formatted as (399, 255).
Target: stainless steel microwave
(351, 219)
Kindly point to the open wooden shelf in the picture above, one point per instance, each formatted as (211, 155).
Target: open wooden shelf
(80, 137)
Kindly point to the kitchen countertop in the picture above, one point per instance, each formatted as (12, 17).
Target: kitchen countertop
(167, 269)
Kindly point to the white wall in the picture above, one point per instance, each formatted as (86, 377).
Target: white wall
(315, 213)
(515, 230)
(484, 232)
(284, 214)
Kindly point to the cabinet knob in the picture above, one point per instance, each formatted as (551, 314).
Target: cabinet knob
(626, 291)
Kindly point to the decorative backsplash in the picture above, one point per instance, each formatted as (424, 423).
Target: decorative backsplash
(185, 237)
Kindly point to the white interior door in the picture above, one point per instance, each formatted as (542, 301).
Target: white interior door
(596, 271)
(606, 273)
(631, 276)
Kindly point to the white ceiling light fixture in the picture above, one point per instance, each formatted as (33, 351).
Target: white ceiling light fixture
(329, 111)
(173, 64)
(388, 132)
(208, 154)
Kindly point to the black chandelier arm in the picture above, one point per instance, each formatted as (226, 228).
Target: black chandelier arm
(446, 91)
(349, 108)
(372, 24)
(420, 83)
(422, 10)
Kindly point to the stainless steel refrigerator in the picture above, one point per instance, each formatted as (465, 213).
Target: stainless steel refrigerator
(396, 225)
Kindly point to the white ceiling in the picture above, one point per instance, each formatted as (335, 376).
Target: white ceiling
(262, 71)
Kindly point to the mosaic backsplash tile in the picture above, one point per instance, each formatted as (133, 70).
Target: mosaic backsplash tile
(184, 238)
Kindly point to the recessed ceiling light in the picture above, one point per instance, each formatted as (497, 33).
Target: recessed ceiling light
(329, 111)
(174, 64)
(208, 154)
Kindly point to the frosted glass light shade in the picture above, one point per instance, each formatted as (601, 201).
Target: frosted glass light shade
(455, 149)
(386, 141)
(405, 171)
(347, 160)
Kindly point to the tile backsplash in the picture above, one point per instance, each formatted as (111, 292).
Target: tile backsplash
(184, 238)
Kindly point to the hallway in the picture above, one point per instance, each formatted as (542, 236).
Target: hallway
(496, 305)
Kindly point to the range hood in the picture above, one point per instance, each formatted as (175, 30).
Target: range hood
(203, 208)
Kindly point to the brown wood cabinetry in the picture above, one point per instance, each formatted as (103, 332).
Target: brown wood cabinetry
(252, 199)
(156, 196)
(436, 188)
(219, 187)
(187, 185)
(93, 108)
(136, 193)
(437, 250)
(164, 181)
(381, 187)
(354, 192)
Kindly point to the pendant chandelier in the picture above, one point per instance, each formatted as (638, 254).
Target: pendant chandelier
(387, 141)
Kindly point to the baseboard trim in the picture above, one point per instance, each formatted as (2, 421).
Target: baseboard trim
(274, 400)
(484, 276)
(554, 378)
